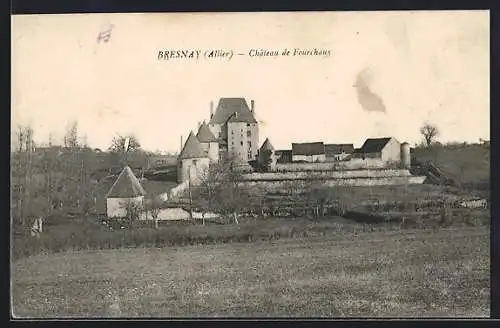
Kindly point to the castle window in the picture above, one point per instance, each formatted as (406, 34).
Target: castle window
(249, 145)
(241, 143)
(249, 133)
(249, 155)
(248, 124)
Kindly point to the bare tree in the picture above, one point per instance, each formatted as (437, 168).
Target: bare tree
(29, 148)
(133, 210)
(429, 132)
(153, 206)
(220, 189)
(71, 136)
(23, 170)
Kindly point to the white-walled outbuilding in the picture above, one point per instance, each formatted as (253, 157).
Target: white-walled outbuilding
(126, 189)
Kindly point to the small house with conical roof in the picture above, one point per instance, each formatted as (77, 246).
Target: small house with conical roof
(208, 142)
(267, 153)
(125, 190)
(192, 162)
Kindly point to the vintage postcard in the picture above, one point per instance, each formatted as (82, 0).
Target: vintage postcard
(271, 164)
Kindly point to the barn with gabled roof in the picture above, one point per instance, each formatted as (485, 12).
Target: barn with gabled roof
(387, 149)
(308, 152)
(125, 190)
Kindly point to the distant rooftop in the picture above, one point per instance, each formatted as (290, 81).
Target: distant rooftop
(374, 145)
(335, 149)
(308, 148)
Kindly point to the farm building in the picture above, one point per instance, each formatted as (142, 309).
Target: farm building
(283, 156)
(126, 189)
(234, 125)
(208, 142)
(193, 161)
(338, 152)
(388, 150)
(308, 152)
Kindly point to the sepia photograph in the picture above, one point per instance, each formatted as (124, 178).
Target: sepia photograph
(250, 165)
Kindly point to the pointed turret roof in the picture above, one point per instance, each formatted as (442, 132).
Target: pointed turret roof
(204, 134)
(192, 148)
(126, 185)
(267, 145)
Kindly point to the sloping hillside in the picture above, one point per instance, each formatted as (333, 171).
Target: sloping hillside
(469, 165)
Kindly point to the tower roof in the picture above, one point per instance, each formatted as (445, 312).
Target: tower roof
(126, 185)
(204, 134)
(267, 145)
(192, 148)
(234, 110)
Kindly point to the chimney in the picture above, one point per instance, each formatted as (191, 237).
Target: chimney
(236, 114)
(211, 109)
(181, 144)
(252, 105)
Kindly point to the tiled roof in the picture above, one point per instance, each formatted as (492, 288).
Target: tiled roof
(309, 148)
(334, 149)
(267, 145)
(192, 148)
(227, 108)
(204, 134)
(126, 185)
(374, 145)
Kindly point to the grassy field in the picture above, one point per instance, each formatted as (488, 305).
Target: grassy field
(410, 273)
(469, 165)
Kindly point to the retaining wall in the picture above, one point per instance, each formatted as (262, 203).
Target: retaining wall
(272, 176)
(353, 164)
(383, 181)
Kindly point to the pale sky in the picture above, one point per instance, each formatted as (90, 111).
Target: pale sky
(424, 66)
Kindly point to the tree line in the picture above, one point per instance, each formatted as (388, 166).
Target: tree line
(53, 177)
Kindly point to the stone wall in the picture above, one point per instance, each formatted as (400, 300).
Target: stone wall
(273, 176)
(353, 164)
(381, 181)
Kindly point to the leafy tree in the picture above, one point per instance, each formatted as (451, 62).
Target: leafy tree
(118, 144)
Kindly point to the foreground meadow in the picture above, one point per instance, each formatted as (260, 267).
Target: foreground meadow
(407, 273)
